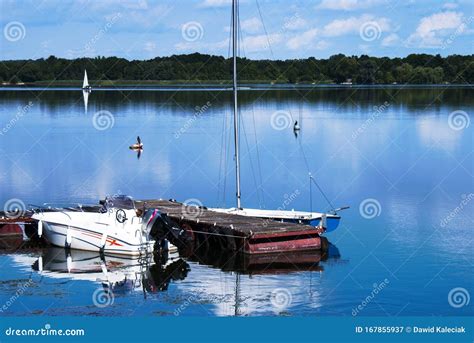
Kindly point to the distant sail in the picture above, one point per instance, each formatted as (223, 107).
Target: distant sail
(85, 84)
(86, 99)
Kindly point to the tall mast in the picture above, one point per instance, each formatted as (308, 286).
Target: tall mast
(236, 111)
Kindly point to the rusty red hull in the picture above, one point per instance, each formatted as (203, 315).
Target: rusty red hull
(283, 242)
(11, 236)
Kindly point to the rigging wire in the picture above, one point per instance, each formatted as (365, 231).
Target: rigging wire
(259, 184)
(226, 162)
(241, 123)
(259, 166)
(222, 156)
(225, 143)
(251, 164)
(264, 28)
(311, 179)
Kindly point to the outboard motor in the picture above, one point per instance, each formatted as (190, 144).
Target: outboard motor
(158, 226)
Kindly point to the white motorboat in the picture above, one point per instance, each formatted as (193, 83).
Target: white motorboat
(118, 227)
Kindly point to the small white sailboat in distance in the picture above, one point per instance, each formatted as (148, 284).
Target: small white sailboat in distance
(85, 84)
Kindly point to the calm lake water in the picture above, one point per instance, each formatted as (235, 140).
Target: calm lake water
(401, 158)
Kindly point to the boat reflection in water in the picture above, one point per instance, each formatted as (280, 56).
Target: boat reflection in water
(236, 284)
(117, 274)
(154, 272)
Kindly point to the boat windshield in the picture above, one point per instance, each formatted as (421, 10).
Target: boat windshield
(124, 202)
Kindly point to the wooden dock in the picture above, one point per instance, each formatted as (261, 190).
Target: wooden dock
(239, 233)
(227, 231)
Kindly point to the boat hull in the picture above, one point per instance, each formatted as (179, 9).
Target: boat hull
(92, 240)
(297, 217)
(331, 223)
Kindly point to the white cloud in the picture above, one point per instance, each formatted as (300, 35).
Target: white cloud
(450, 6)
(432, 29)
(391, 40)
(133, 4)
(302, 39)
(365, 48)
(260, 42)
(150, 46)
(216, 3)
(105, 5)
(249, 44)
(341, 27)
(322, 45)
(295, 23)
(347, 5)
(252, 25)
(201, 46)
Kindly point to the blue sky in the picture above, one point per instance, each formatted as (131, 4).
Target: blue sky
(143, 29)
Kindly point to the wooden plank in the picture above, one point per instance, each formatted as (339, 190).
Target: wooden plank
(249, 226)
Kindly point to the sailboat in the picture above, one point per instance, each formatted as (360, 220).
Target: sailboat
(324, 221)
(85, 84)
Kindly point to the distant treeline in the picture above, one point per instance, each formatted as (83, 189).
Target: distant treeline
(413, 69)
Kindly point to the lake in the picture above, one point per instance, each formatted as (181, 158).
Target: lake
(400, 157)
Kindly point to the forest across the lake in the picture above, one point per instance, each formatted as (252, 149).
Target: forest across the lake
(412, 69)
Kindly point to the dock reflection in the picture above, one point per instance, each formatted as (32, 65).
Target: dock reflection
(273, 263)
